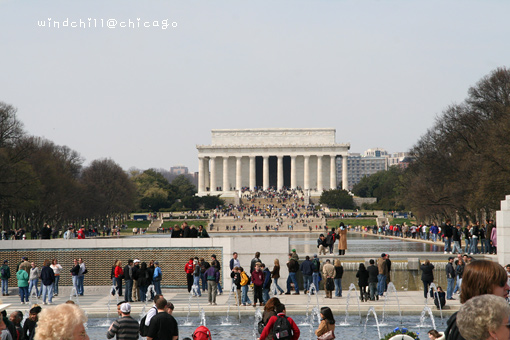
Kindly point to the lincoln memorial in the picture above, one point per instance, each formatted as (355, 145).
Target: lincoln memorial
(264, 158)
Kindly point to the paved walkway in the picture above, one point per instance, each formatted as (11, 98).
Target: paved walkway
(96, 299)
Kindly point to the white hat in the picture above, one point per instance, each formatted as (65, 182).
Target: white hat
(136, 261)
(125, 308)
(4, 306)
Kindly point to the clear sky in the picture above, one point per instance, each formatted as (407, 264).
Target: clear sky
(377, 71)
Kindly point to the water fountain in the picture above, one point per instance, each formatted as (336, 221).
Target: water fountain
(351, 288)
(110, 295)
(258, 318)
(372, 310)
(233, 289)
(426, 310)
(310, 316)
(34, 297)
(391, 288)
(202, 317)
(74, 294)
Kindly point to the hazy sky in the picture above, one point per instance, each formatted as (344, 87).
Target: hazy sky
(377, 71)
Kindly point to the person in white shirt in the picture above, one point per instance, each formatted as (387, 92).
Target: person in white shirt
(57, 268)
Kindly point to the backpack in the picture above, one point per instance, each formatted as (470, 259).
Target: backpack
(202, 333)
(3, 273)
(244, 279)
(260, 326)
(316, 265)
(144, 330)
(282, 329)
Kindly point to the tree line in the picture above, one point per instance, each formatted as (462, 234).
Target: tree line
(461, 167)
(41, 182)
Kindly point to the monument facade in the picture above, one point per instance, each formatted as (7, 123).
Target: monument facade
(264, 158)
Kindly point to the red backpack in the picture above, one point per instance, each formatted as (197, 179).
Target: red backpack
(202, 333)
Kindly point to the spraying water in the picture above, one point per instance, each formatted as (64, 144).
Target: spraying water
(371, 310)
(352, 287)
(193, 293)
(391, 289)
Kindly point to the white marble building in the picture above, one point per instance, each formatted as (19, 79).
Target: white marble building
(291, 158)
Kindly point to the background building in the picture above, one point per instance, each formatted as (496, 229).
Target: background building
(179, 170)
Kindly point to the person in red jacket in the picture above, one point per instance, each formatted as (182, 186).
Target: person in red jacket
(189, 268)
(257, 277)
(268, 332)
(81, 233)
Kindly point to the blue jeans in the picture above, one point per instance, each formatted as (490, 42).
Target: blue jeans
(447, 244)
(143, 293)
(449, 288)
(338, 287)
(315, 278)
(381, 284)
(196, 282)
(457, 285)
(129, 289)
(244, 295)
(33, 283)
(157, 287)
(468, 243)
(474, 245)
(55, 284)
(76, 283)
(307, 279)
(220, 290)
(23, 293)
(5, 286)
(80, 284)
(265, 294)
(485, 245)
(47, 292)
(278, 288)
(204, 281)
(292, 278)
(456, 247)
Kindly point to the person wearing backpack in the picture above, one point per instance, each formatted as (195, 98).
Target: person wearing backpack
(236, 279)
(267, 283)
(146, 320)
(316, 272)
(5, 274)
(280, 327)
(245, 282)
(202, 333)
(293, 267)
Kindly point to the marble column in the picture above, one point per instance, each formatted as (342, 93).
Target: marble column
(226, 186)
(213, 174)
(207, 174)
(293, 172)
(332, 172)
(307, 173)
(201, 174)
(265, 172)
(238, 173)
(345, 178)
(319, 174)
(252, 173)
(280, 173)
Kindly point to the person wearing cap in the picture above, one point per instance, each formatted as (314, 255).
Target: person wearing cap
(124, 328)
(451, 275)
(5, 274)
(316, 269)
(295, 256)
(156, 277)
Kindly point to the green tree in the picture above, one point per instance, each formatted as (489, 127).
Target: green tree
(337, 198)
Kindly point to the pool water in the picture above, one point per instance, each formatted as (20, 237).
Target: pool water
(244, 330)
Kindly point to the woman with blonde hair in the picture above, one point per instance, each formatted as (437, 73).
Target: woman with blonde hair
(62, 322)
(275, 275)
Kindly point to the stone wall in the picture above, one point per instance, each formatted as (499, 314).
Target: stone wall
(172, 254)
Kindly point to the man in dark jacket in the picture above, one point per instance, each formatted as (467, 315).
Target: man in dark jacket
(267, 283)
(307, 270)
(447, 230)
(373, 271)
(128, 279)
(293, 267)
(46, 232)
(451, 275)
